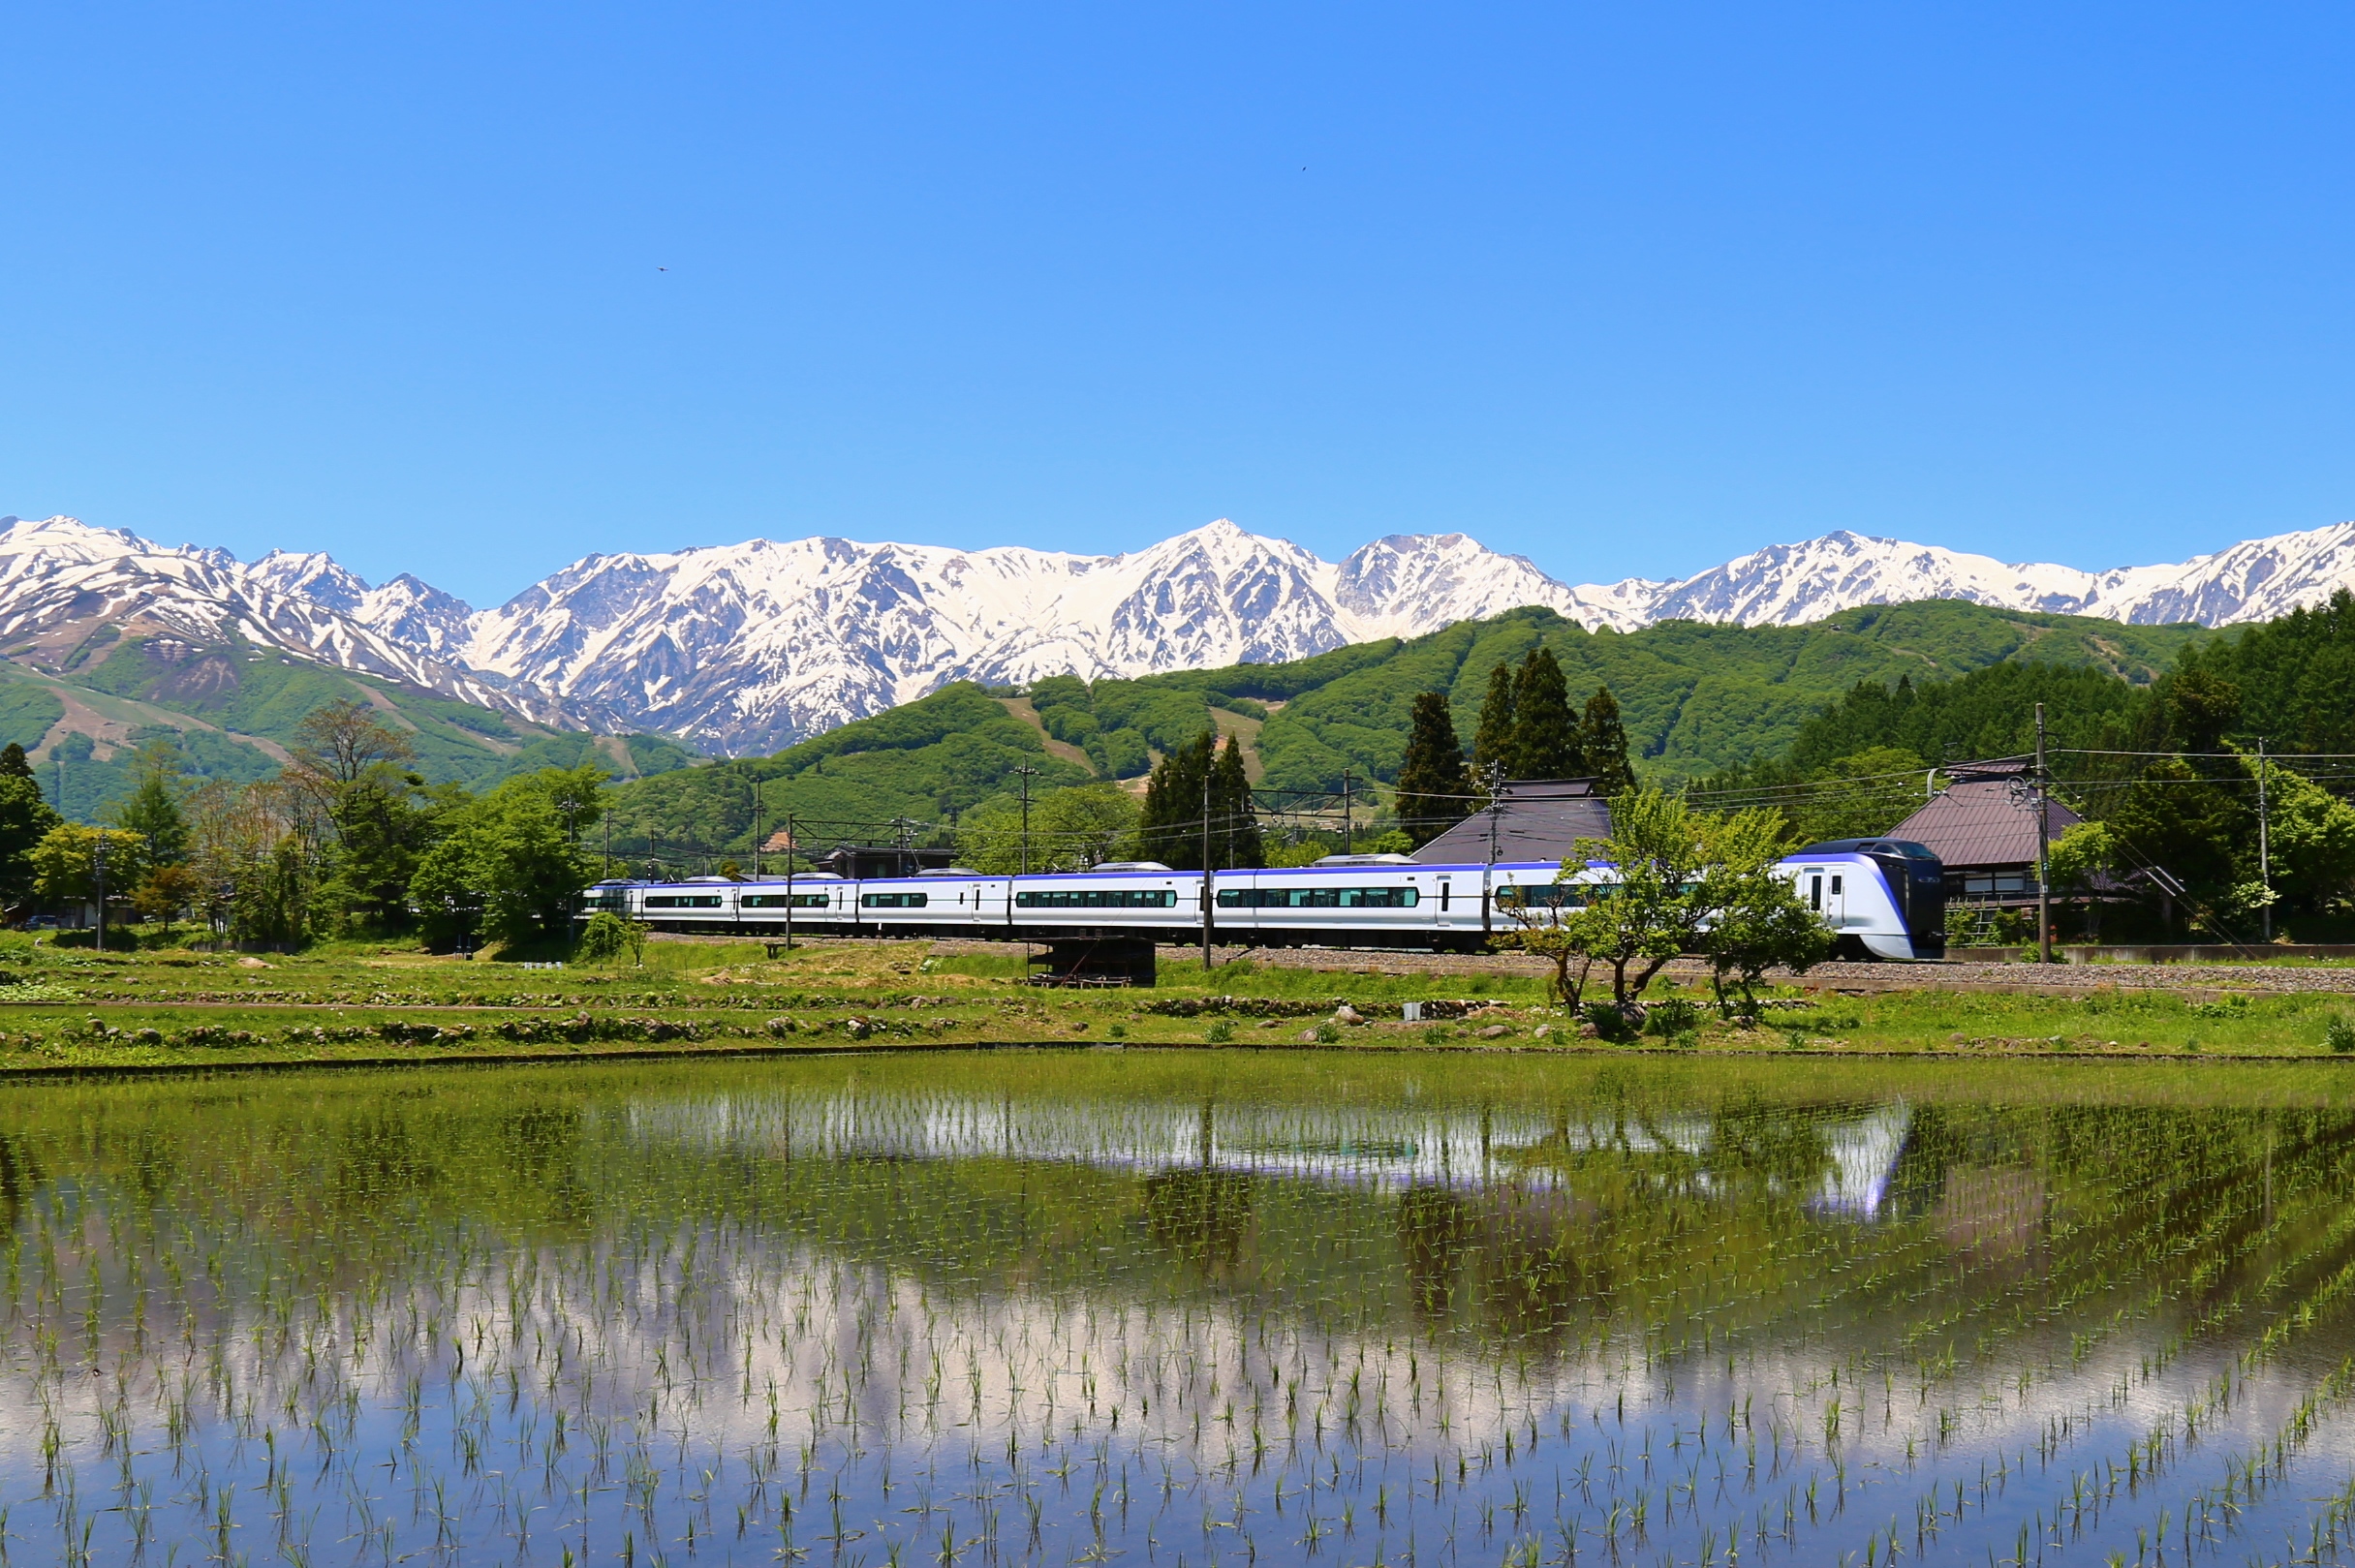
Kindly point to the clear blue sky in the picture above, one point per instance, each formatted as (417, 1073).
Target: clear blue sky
(1628, 288)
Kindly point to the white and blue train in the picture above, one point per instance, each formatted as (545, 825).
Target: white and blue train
(1882, 897)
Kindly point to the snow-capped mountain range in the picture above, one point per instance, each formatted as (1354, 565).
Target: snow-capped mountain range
(748, 647)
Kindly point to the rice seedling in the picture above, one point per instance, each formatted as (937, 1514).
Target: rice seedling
(1292, 1307)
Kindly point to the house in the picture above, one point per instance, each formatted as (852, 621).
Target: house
(1983, 825)
(1534, 820)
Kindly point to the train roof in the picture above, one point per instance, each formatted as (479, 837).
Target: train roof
(1866, 847)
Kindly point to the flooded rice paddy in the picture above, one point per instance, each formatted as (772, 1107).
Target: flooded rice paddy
(1182, 1308)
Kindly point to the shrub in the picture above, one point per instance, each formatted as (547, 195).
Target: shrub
(1610, 1021)
(2339, 1035)
(1328, 1032)
(1220, 1032)
(607, 937)
(1671, 1017)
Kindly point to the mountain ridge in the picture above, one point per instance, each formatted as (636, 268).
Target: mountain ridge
(746, 647)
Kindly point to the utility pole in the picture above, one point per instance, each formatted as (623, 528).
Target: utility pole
(99, 859)
(2044, 891)
(1349, 820)
(1208, 773)
(1494, 777)
(2265, 859)
(756, 830)
(609, 845)
(1026, 773)
(790, 844)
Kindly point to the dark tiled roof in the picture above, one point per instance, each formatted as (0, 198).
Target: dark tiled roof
(1542, 819)
(1976, 820)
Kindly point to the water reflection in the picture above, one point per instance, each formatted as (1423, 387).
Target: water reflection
(1079, 1310)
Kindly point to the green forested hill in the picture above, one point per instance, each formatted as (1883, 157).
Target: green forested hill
(1697, 700)
(227, 711)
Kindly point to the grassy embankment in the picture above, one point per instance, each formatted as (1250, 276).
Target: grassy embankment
(74, 1008)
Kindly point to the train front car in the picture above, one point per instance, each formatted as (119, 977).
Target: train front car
(1882, 897)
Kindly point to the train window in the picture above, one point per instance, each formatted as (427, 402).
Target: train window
(1548, 895)
(693, 901)
(1815, 892)
(1318, 897)
(783, 901)
(893, 901)
(1835, 884)
(1442, 898)
(1101, 898)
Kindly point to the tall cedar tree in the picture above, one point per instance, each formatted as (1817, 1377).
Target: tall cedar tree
(1235, 843)
(1604, 740)
(1170, 828)
(1432, 782)
(1545, 732)
(25, 819)
(1492, 744)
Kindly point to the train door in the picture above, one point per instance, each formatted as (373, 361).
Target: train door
(1236, 911)
(1827, 893)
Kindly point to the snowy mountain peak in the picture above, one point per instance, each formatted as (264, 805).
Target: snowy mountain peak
(315, 575)
(750, 646)
(63, 581)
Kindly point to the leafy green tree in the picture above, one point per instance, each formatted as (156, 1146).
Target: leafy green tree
(2083, 850)
(168, 890)
(152, 810)
(257, 850)
(608, 936)
(1603, 744)
(1492, 743)
(505, 868)
(1434, 788)
(2201, 708)
(1071, 830)
(1858, 796)
(2312, 840)
(1756, 917)
(1656, 907)
(351, 764)
(2196, 827)
(66, 862)
(1545, 732)
(25, 819)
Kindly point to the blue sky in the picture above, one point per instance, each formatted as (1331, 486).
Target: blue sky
(1628, 290)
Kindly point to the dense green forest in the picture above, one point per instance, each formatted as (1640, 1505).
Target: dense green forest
(229, 712)
(2166, 770)
(1695, 699)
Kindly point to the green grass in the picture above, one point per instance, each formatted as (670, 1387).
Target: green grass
(731, 990)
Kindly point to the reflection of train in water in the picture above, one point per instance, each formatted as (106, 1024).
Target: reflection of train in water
(1885, 898)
